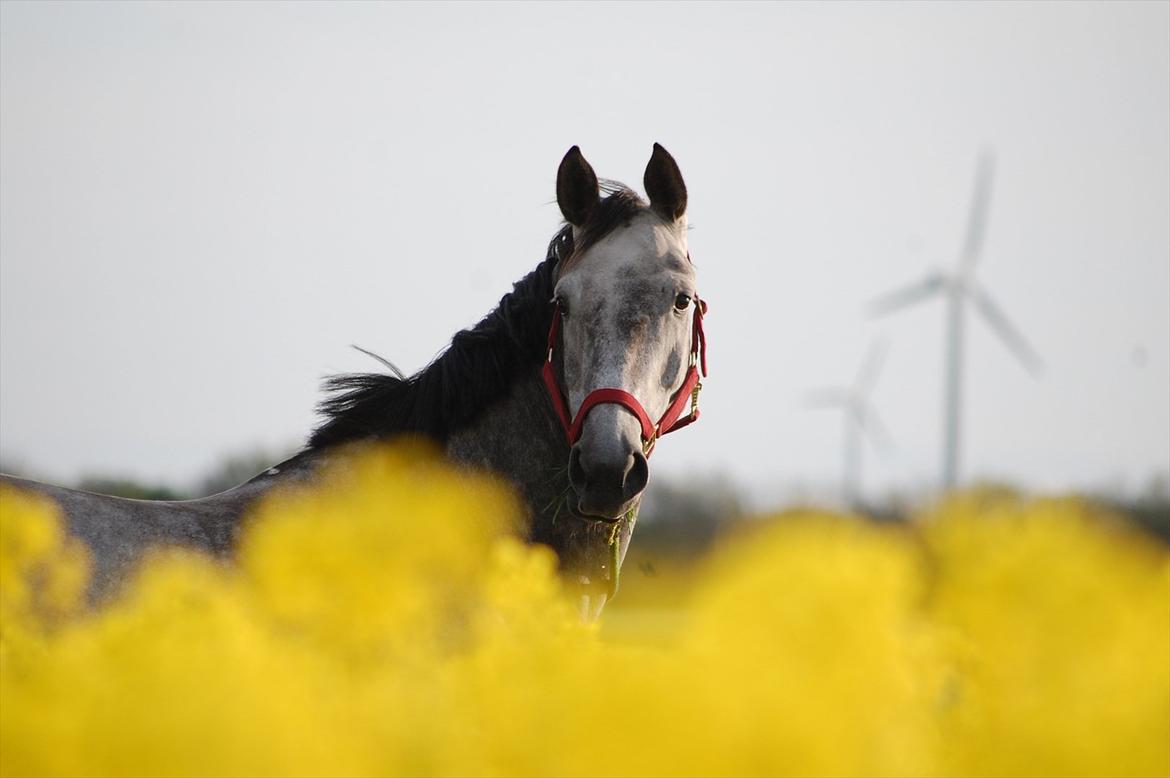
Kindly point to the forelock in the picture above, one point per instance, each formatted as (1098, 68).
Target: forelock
(617, 209)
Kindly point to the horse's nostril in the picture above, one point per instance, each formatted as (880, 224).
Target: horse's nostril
(636, 476)
(606, 485)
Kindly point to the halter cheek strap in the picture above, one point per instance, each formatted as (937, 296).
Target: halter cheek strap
(671, 420)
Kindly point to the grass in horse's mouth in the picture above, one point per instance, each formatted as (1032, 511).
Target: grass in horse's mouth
(562, 500)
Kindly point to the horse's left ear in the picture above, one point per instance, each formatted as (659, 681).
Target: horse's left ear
(664, 185)
(577, 189)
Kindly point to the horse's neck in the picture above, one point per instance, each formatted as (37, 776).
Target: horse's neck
(519, 439)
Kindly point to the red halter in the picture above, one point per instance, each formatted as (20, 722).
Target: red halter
(670, 420)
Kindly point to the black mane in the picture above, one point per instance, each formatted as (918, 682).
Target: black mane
(481, 363)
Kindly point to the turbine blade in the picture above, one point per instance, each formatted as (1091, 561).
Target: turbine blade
(827, 398)
(871, 368)
(875, 428)
(980, 204)
(907, 295)
(1007, 332)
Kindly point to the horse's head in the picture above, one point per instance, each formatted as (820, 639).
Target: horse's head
(629, 330)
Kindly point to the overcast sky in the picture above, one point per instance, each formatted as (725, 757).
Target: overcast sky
(202, 206)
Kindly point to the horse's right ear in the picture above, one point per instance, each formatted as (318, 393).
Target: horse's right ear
(664, 185)
(577, 190)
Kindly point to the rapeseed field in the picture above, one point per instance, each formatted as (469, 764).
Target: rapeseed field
(388, 622)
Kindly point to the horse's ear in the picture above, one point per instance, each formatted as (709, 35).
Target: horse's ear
(577, 190)
(664, 185)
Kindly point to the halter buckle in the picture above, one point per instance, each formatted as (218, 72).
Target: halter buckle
(648, 445)
(694, 414)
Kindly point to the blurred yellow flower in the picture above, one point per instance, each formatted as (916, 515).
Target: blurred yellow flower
(387, 621)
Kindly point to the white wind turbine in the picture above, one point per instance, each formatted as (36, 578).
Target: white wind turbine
(958, 287)
(859, 416)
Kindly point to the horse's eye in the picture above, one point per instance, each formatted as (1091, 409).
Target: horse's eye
(562, 305)
(681, 301)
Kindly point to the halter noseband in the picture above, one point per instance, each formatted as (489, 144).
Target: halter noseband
(671, 420)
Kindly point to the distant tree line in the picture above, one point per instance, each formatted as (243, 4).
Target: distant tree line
(680, 517)
(231, 471)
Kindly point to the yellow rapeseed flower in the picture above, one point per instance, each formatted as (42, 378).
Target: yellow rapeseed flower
(388, 621)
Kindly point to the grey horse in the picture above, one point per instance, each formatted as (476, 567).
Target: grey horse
(556, 390)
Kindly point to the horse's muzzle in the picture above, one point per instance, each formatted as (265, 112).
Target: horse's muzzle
(606, 486)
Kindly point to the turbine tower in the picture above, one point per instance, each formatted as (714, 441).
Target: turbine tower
(859, 416)
(958, 287)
